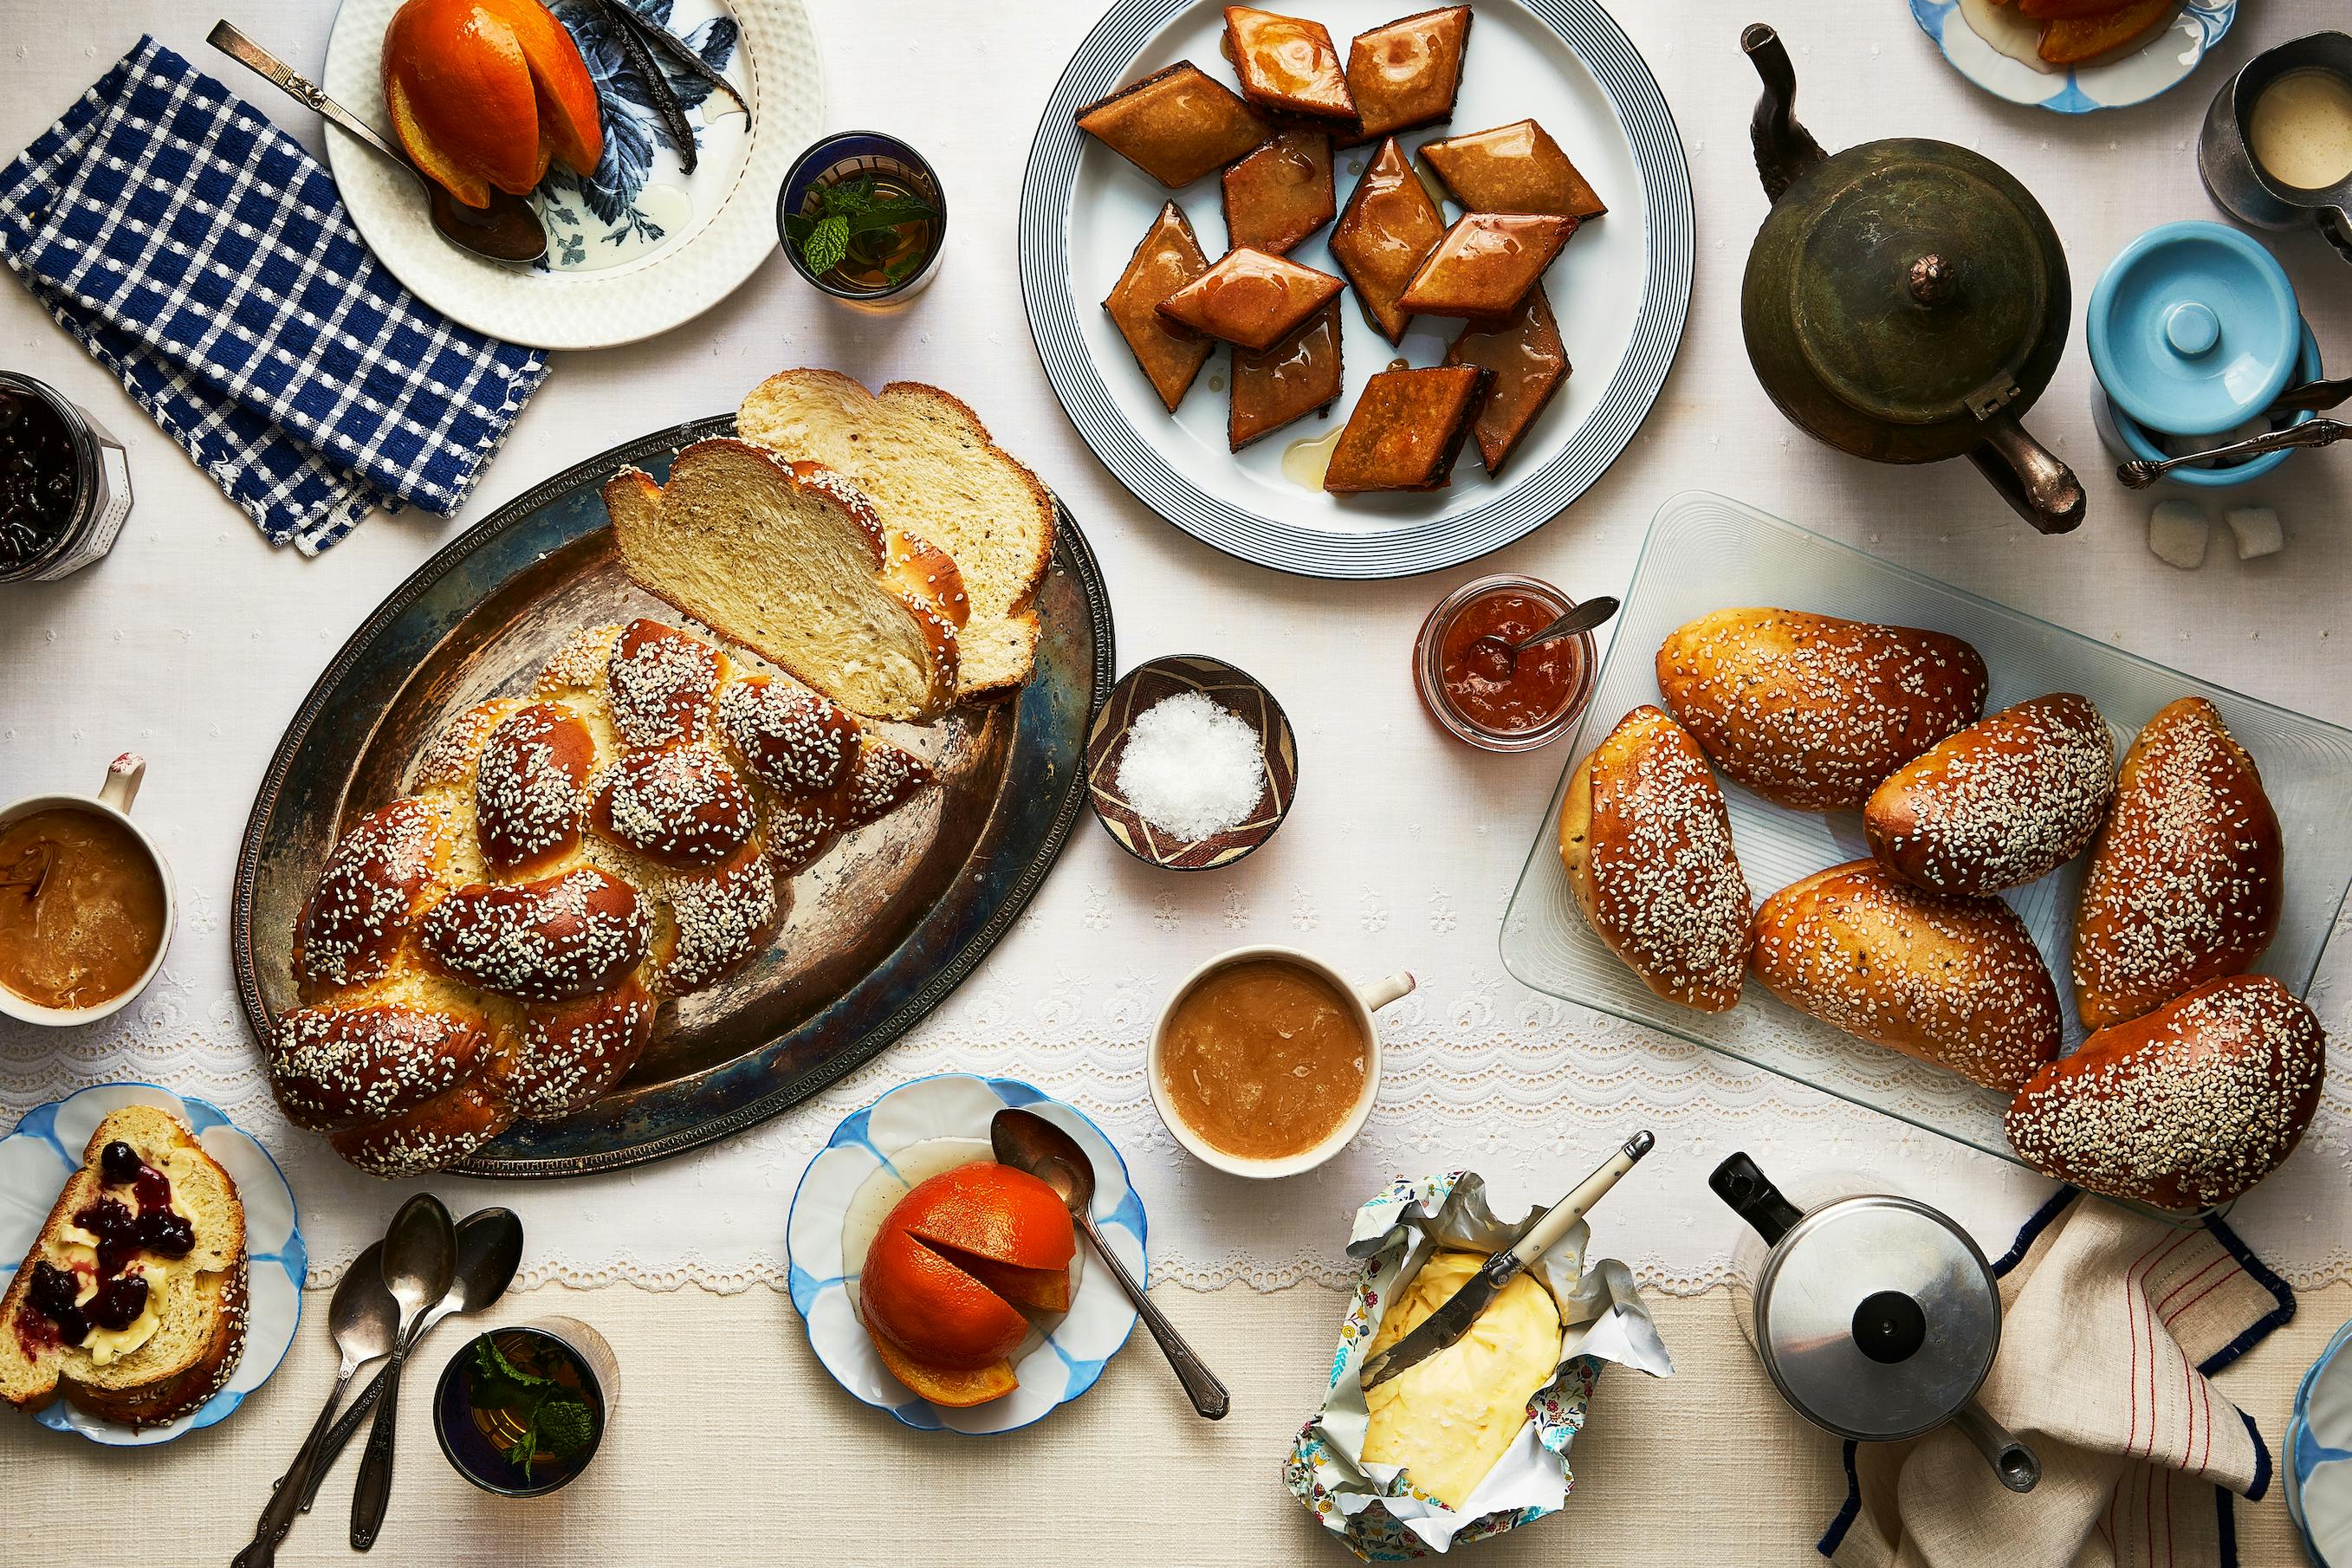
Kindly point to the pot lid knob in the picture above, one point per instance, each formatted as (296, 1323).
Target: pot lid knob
(2194, 329)
(1931, 279)
(1877, 1317)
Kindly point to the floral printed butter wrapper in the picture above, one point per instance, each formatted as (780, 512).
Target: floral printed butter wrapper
(1375, 1510)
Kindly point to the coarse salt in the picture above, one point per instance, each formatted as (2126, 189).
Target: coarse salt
(1192, 768)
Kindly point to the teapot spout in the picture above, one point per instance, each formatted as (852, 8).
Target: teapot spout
(1784, 148)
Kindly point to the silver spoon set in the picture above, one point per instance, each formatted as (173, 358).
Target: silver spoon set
(425, 1268)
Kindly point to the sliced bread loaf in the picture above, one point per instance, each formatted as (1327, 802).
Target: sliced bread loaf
(928, 462)
(181, 1347)
(790, 560)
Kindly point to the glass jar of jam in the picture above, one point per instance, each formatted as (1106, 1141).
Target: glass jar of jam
(65, 485)
(1514, 704)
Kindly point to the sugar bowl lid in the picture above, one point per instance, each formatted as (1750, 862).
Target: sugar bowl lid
(2194, 329)
(1877, 1317)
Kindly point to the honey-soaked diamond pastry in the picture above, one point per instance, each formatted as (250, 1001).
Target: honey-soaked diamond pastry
(1388, 231)
(1286, 63)
(1175, 125)
(1165, 260)
(1409, 72)
(1292, 379)
(1514, 168)
(1529, 363)
(1486, 265)
(1251, 299)
(1282, 193)
(1407, 428)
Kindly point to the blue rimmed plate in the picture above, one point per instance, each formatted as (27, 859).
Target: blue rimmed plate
(46, 1148)
(1621, 291)
(2319, 1454)
(912, 1133)
(2164, 61)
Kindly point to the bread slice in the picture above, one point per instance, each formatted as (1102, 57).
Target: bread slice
(171, 1365)
(928, 462)
(790, 560)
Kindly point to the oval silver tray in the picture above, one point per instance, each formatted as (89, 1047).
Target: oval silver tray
(879, 931)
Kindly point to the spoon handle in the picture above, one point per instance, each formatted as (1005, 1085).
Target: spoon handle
(372, 1494)
(2313, 394)
(278, 1517)
(2138, 474)
(225, 38)
(1208, 1394)
(1583, 618)
(338, 1437)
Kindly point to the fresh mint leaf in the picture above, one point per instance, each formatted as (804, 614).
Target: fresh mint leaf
(826, 245)
(890, 213)
(565, 1425)
(797, 227)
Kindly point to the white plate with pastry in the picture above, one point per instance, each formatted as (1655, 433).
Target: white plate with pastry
(152, 1262)
(756, 769)
(1872, 826)
(1557, 81)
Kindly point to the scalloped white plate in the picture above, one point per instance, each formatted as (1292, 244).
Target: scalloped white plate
(2162, 63)
(854, 1172)
(45, 1148)
(720, 224)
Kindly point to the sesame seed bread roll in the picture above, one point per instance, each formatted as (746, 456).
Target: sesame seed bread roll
(1811, 711)
(1953, 981)
(792, 560)
(2184, 1107)
(1646, 842)
(2185, 882)
(2005, 802)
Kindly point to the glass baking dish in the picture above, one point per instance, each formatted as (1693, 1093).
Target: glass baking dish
(1705, 553)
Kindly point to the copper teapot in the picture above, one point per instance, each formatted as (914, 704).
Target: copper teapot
(1905, 300)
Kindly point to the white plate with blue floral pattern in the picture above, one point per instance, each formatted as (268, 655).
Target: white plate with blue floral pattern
(2164, 60)
(46, 1148)
(639, 245)
(914, 1131)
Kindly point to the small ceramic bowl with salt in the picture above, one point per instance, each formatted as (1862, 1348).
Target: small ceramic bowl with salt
(1192, 764)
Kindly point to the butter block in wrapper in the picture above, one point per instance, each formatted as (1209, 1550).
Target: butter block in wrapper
(1375, 1510)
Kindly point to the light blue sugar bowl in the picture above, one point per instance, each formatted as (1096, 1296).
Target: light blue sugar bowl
(2194, 332)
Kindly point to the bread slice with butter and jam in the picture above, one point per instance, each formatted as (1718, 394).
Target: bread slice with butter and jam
(132, 1303)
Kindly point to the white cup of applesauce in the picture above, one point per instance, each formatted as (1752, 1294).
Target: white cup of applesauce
(1265, 1060)
(114, 868)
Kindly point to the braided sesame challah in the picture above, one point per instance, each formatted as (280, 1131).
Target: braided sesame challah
(494, 944)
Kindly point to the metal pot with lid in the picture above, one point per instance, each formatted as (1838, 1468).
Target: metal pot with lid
(1905, 300)
(1877, 1317)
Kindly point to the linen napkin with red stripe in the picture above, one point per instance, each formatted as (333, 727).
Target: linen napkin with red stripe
(2115, 1324)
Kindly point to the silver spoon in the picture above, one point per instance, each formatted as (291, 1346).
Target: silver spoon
(420, 1257)
(490, 1249)
(2312, 395)
(1027, 1141)
(2138, 474)
(1495, 658)
(506, 230)
(364, 1320)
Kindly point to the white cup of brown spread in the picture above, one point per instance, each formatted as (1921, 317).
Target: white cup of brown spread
(1267, 1060)
(86, 906)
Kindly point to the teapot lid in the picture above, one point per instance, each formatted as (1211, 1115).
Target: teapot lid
(1920, 287)
(2194, 329)
(1877, 1317)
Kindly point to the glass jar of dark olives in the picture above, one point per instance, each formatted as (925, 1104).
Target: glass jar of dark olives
(65, 486)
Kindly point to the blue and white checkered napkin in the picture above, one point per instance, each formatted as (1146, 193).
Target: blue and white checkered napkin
(199, 253)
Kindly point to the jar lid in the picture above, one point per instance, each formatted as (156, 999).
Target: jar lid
(2194, 329)
(1877, 1317)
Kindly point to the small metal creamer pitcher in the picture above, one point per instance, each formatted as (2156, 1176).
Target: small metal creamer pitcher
(2236, 179)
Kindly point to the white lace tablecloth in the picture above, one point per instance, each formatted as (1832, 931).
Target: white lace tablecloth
(193, 644)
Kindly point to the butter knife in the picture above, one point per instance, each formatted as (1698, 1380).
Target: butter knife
(1452, 1321)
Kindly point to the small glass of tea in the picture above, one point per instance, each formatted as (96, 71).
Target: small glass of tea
(520, 1410)
(862, 216)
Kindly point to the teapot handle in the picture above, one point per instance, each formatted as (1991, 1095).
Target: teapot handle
(1752, 1196)
(2336, 222)
(2031, 478)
